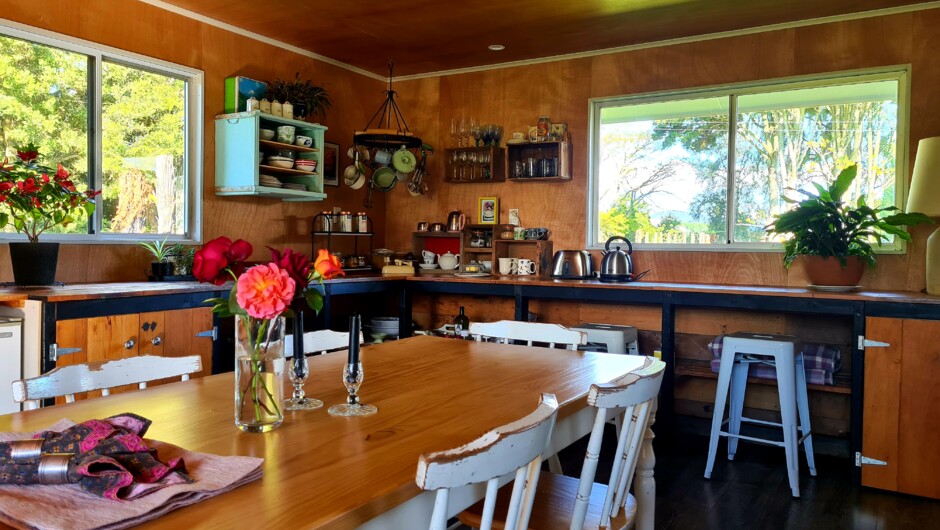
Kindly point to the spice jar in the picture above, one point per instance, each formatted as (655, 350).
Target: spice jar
(542, 128)
(362, 222)
(345, 222)
(324, 222)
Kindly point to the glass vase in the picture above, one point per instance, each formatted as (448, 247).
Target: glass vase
(259, 373)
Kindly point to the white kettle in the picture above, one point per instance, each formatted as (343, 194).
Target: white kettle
(449, 261)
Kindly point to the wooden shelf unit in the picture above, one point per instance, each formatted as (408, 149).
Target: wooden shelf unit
(520, 154)
(538, 250)
(496, 166)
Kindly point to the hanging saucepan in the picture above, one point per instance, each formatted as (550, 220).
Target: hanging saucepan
(384, 178)
(355, 175)
(404, 161)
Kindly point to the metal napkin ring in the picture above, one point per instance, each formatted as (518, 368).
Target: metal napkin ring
(54, 468)
(26, 449)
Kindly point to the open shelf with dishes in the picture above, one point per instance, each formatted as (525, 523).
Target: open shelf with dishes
(242, 166)
(347, 238)
(548, 161)
(537, 250)
(474, 165)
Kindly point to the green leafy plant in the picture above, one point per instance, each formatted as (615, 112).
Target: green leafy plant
(824, 225)
(301, 91)
(158, 249)
(183, 256)
(35, 198)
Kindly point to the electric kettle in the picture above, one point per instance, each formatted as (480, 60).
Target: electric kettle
(616, 265)
(455, 221)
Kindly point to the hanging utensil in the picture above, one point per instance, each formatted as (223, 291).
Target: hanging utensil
(368, 200)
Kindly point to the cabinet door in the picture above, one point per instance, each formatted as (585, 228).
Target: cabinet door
(72, 334)
(113, 337)
(901, 422)
(189, 332)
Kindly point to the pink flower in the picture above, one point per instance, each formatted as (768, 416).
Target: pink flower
(265, 291)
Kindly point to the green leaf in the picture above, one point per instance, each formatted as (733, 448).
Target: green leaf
(314, 299)
(843, 182)
(4, 218)
(909, 219)
(824, 194)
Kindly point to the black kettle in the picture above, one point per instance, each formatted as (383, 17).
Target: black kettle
(616, 265)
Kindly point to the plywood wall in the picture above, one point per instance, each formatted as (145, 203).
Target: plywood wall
(146, 30)
(514, 97)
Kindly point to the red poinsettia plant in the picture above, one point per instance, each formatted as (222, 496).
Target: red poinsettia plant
(263, 291)
(35, 198)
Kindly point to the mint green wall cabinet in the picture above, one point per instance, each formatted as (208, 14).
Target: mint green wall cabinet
(239, 157)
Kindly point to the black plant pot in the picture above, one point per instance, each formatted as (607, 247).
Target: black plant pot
(34, 263)
(161, 269)
(300, 111)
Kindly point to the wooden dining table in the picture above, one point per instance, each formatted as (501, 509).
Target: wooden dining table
(332, 472)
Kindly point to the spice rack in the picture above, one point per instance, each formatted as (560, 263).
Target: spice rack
(324, 227)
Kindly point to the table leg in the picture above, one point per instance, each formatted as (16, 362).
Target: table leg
(644, 485)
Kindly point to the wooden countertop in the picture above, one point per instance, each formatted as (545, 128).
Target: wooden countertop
(754, 290)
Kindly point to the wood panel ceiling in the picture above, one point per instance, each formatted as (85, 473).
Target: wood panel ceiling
(424, 36)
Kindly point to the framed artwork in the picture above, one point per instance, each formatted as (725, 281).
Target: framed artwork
(488, 210)
(330, 164)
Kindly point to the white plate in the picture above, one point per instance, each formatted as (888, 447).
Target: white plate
(833, 288)
(471, 274)
(428, 265)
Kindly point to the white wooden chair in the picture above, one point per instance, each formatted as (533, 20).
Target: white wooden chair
(564, 502)
(514, 447)
(320, 341)
(69, 380)
(507, 331)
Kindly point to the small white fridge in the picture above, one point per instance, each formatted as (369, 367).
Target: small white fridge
(11, 361)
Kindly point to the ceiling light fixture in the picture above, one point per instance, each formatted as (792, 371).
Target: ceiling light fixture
(496, 47)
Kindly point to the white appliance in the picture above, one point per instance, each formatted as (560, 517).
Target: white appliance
(11, 361)
(611, 338)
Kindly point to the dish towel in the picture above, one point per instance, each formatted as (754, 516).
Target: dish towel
(166, 487)
(820, 362)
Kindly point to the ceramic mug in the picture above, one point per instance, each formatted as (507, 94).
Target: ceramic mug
(428, 256)
(487, 265)
(423, 226)
(285, 134)
(303, 141)
(507, 265)
(518, 233)
(525, 266)
(383, 157)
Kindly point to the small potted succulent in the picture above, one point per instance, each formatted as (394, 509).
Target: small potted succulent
(835, 237)
(161, 265)
(182, 257)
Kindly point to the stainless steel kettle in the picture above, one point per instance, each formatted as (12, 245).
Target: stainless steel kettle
(616, 265)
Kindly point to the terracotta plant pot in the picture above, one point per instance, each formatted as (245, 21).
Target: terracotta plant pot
(829, 271)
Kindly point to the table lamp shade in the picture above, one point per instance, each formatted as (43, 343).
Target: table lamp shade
(924, 197)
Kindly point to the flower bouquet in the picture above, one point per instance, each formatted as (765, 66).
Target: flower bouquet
(260, 299)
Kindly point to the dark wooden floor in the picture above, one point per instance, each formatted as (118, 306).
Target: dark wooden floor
(753, 493)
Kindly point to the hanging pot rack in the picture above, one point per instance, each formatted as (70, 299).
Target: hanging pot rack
(390, 130)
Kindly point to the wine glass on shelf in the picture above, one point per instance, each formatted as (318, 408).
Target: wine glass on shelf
(475, 131)
(462, 162)
(455, 132)
(472, 164)
(497, 134)
(352, 380)
(299, 371)
(485, 160)
(455, 165)
(464, 131)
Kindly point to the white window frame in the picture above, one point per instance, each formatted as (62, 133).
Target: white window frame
(193, 153)
(900, 73)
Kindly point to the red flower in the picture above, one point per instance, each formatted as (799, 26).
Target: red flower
(214, 257)
(45, 178)
(3, 199)
(328, 265)
(61, 173)
(297, 265)
(36, 202)
(6, 185)
(28, 154)
(27, 186)
(69, 186)
(91, 194)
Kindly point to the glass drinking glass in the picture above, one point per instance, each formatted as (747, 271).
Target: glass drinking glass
(497, 134)
(455, 165)
(472, 164)
(299, 371)
(352, 380)
(475, 131)
(464, 132)
(455, 132)
(462, 162)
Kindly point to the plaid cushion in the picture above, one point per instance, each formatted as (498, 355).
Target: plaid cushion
(820, 362)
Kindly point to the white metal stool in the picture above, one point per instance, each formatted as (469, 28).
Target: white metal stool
(739, 351)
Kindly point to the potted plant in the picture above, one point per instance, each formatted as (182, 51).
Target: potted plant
(161, 266)
(35, 199)
(307, 98)
(835, 237)
(182, 257)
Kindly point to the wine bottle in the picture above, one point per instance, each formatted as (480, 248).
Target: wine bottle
(462, 325)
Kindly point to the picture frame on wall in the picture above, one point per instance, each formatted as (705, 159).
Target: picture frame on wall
(330, 164)
(488, 210)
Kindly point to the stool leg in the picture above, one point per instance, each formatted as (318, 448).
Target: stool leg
(802, 403)
(721, 396)
(736, 405)
(786, 387)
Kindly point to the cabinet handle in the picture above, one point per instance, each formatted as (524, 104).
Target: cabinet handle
(129, 345)
(156, 341)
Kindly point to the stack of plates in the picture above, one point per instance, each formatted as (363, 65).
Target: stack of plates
(386, 325)
(294, 186)
(269, 181)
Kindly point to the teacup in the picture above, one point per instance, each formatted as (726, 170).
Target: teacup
(285, 134)
(303, 141)
(518, 136)
(423, 226)
(518, 233)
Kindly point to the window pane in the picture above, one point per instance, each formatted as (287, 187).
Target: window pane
(44, 100)
(789, 140)
(143, 142)
(663, 172)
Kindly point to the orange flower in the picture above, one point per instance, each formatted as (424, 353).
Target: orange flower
(265, 291)
(328, 265)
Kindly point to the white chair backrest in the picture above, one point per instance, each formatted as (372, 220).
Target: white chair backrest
(68, 380)
(516, 446)
(635, 393)
(319, 341)
(506, 331)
